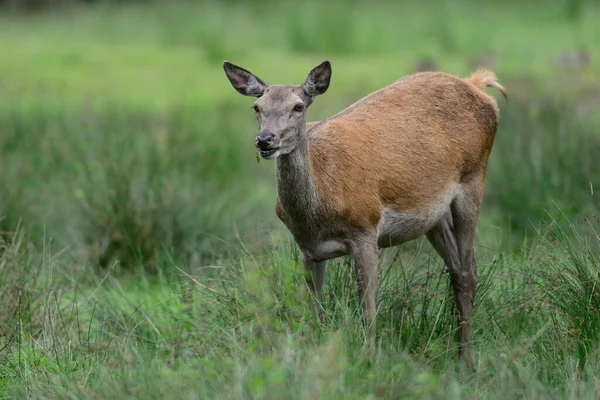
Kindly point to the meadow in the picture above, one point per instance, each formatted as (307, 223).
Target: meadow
(140, 254)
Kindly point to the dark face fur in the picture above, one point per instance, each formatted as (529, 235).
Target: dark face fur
(280, 109)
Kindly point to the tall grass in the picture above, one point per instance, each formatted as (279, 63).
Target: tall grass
(542, 165)
(127, 185)
(245, 329)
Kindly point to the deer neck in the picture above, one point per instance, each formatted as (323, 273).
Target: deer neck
(295, 184)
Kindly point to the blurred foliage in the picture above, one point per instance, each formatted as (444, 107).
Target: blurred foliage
(159, 53)
(542, 165)
(130, 185)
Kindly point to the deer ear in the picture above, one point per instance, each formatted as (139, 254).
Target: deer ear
(318, 79)
(244, 81)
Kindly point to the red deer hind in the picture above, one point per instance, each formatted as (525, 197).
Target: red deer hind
(407, 160)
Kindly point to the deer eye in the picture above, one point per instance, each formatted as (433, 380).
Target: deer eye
(299, 107)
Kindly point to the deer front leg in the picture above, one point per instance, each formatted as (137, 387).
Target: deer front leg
(314, 273)
(365, 254)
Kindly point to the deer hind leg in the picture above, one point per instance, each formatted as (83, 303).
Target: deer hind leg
(454, 238)
(442, 238)
(463, 275)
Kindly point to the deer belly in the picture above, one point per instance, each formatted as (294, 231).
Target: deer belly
(326, 250)
(397, 227)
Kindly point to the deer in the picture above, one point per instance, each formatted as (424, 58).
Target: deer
(407, 160)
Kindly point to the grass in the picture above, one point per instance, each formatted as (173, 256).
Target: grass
(140, 256)
(243, 329)
(175, 51)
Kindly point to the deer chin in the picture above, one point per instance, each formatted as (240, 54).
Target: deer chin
(269, 154)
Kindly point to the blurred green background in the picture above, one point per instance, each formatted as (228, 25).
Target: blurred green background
(140, 252)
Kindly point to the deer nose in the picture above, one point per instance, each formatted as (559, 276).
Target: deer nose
(264, 140)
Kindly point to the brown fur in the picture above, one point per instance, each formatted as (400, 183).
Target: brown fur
(442, 126)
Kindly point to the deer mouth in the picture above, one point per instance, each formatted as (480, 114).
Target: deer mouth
(269, 154)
